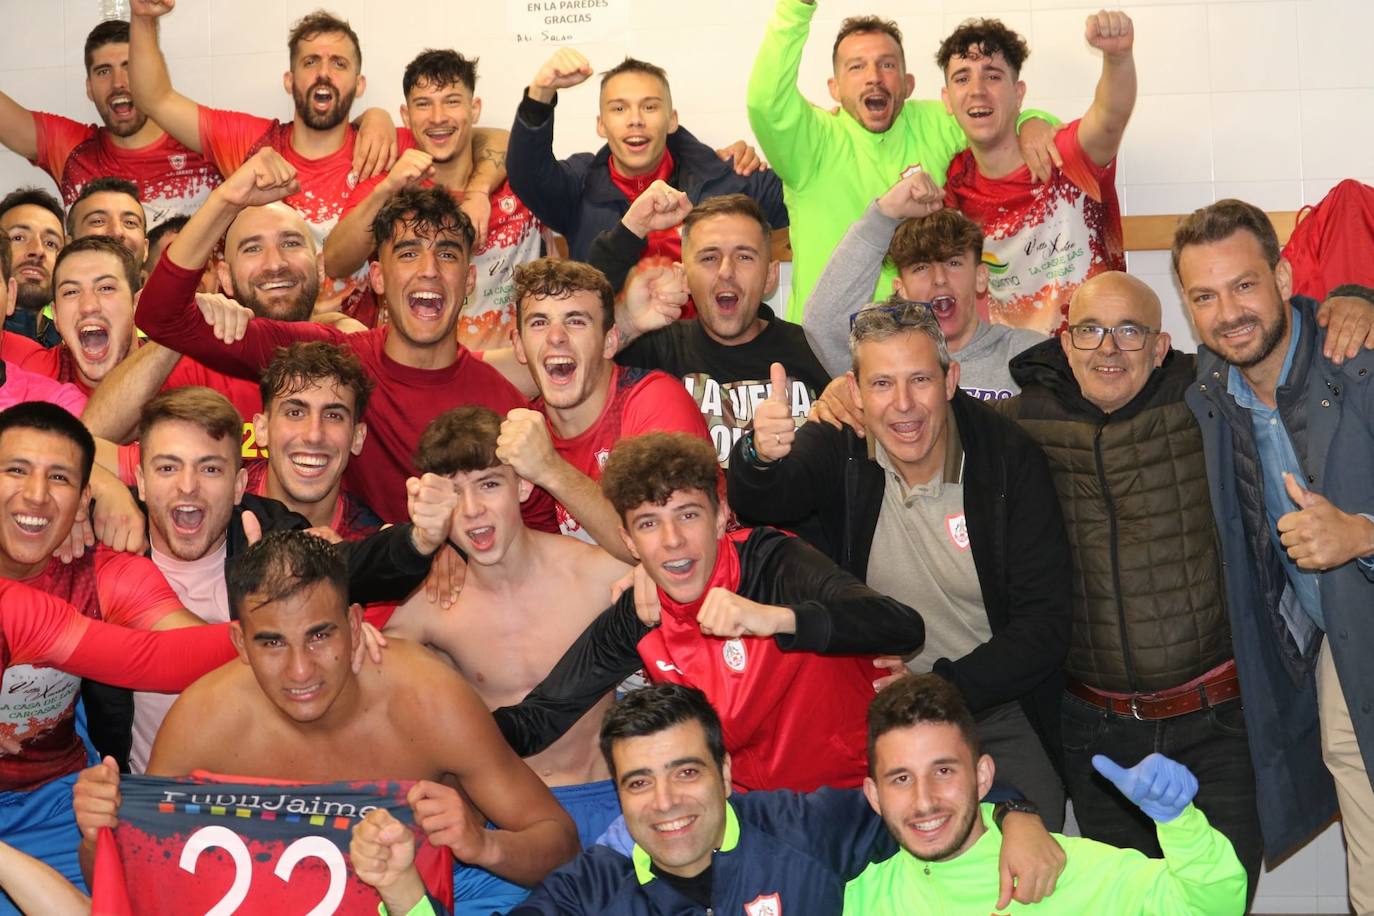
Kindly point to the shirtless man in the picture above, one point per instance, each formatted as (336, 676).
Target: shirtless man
(503, 656)
(301, 714)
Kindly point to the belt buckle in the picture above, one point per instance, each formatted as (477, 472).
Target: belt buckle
(1135, 708)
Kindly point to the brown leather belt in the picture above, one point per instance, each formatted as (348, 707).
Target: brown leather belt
(1216, 686)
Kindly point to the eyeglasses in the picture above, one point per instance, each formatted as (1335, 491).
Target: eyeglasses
(899, 313)
(1126, 336)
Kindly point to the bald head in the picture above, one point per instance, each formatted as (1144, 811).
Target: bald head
(1108, 375)
(1121, 287)
(270, 263)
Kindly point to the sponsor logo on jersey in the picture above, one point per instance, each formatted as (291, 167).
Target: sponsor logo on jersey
(734, 654)
(667, 666)
(764, 905)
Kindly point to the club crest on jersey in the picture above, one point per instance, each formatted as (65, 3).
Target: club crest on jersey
(507, 205)
(601, 457)
(177, 161)
(958, 530)
(734, 654)
(764, 905)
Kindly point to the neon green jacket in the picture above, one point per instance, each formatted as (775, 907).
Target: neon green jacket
(1198, 876)
(831, 166)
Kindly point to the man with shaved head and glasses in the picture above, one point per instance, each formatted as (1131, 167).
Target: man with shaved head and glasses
(944, 505)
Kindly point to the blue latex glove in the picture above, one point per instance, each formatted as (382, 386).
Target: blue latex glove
(1160, 787)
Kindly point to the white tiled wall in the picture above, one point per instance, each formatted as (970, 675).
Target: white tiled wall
(1269, 100)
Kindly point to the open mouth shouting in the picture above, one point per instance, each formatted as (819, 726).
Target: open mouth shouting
(560, 369)
(94, 340)
(187, 519)
(121, 104)
(322, 97)
(482, 538)
(426, 304)
(908, 431)
(679, 569)
(727, 302)
(876, 102)
(943, 307)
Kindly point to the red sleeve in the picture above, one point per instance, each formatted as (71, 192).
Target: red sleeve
(15, 348)
(661, 403)
(1079, 167)
(42, 361)
(133, 592)
(168, 315)
(227, 136)
(57, 137)
(129, 457)
(39, 629)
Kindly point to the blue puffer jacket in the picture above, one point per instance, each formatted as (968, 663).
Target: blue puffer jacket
(576, 197)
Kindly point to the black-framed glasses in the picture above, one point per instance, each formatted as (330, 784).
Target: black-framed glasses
(900, 313)
(1126, 336)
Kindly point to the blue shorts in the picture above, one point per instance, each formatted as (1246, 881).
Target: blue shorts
(593, 807)
(41, 823)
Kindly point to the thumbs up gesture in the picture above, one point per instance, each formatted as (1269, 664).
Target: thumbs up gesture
(1320, 536)
(1160, 787)
(774, 428)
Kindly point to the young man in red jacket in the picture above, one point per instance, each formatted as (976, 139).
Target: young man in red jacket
(767, 627)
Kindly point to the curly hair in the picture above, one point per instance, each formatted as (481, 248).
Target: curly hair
(652, 467)
(559, 278)
(983, 38)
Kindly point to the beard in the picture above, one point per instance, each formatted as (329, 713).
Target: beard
(297, 308)
(1269, 340)
(970, 814)
(127, 129)
(323, 120)
(33, 296)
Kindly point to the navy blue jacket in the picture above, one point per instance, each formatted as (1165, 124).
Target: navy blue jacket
(1328, 411)
(576, 197)
(803, 848)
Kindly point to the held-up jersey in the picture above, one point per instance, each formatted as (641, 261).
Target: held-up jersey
(218, 844)
(172, 180)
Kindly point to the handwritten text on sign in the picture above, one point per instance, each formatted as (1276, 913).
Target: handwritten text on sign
(563, 22)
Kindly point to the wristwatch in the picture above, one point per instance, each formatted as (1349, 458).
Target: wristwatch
(1018, 805)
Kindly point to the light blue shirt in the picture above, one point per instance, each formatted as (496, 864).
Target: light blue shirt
(1277, 457)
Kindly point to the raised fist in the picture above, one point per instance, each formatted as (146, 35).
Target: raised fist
(661, 206)
(265, 178)
(914, 196)
(567, 68)
(414, 166)
(1110, 31)
(151, 9)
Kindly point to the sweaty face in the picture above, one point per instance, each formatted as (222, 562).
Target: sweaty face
(635, 120)
(300, 648)
(441, 118)
(40, 493)
(94, 311)
(984, 96)
(107, 85)
(112, 214)
(677, 542)
(926, 786)
(36, 236)
(673, 796)
(1110, 377)
(324, 80)
(564, 343)
(487, 517)
(871, 81)
(309, 436)
(270, 263)
(951, 286)
(905, 396)
(1239, 303)
(191, 484)
(729, 273)
(424, 276)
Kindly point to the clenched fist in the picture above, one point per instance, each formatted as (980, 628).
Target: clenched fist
(567, 68)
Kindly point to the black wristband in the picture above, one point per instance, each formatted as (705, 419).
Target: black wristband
(1018, 805)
